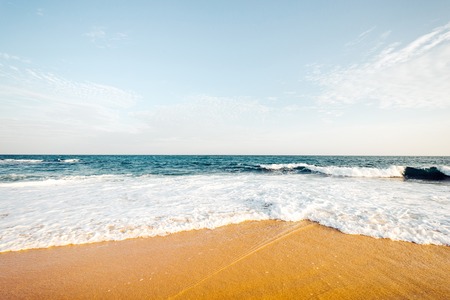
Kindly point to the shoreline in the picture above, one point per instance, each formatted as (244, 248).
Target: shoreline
(255, 259)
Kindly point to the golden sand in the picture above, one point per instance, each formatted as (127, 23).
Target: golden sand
(266, 259)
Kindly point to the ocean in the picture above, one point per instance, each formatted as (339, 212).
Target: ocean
(55, 200)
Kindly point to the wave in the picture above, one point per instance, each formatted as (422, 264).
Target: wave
(20, 161)
(11, 161)
(13, 177)
(444, 169)
(390, 172)
(19, 180)
(438, 173)
(432, 173)
(117, 207)
(69, 161)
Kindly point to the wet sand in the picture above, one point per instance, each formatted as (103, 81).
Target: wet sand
(266, 259)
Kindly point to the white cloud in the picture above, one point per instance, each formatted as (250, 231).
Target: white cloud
(54, 114)
(119, 36)
(102, 39)
(205, 113)
(413, 76)
(97, 33)
(32, 95)
(9, 57)
(211, 124)
(207, 124)
(40, 12)
(361, 37)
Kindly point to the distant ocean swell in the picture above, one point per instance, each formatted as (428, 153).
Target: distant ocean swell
(36, 161)
(432, 173)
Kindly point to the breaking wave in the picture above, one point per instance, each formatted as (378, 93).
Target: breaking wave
(20, 161)
(426, 173)
(69, 161)
(433, 173)
(11, 161)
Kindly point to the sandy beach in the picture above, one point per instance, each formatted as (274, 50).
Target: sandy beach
(266, 259)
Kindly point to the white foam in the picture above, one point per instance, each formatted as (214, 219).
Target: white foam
(444, 169)
(390, 172)
(12, 177)
(68, 180)
(85, 209)
(283, 166)
(20, 161)
(70, 161)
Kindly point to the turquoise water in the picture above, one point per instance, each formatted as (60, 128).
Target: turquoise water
(41, 167)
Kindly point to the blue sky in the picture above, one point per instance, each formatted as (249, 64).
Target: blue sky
(225, 77)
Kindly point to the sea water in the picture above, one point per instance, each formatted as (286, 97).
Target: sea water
(59, 200)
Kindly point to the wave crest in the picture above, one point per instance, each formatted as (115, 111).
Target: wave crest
(432, 173)
(69, 161)
(390, 172)
(20, 161)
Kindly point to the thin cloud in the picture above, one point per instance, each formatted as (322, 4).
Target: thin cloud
(198, 111)
(9, 57)
(204, 118)
(96, 34)
(361, 37)
(31, 94)
(119, 36)
(102, 39)
(205, 122)
(412, 76)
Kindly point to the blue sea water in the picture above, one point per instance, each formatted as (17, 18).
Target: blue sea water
(51, 200)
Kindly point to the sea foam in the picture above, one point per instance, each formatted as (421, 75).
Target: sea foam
(444, 169)
(86, 209)
(390, 172)
(20, 161)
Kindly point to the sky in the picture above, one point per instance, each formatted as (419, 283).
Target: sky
(225, 77)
